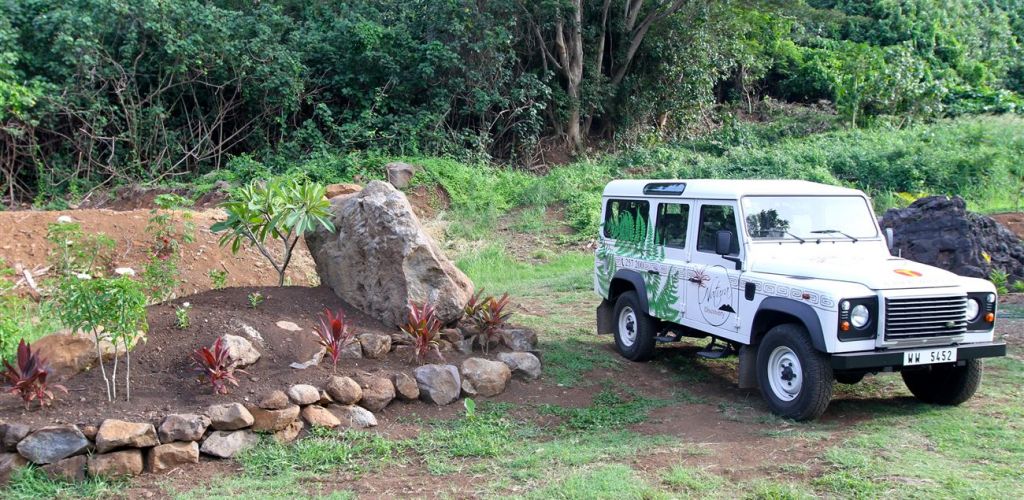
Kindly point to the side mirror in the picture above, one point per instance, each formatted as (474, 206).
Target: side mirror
(723, 243)
(889, 238)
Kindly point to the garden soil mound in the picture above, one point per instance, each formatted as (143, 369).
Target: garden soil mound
(23, 241)
(163, 376)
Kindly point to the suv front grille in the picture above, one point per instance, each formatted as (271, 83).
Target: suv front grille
(922, 317)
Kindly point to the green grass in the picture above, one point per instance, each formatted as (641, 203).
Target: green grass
(324, 451)
(31, 483)
(494, 270)
(691, 481)
(609, 409)
(610, 481)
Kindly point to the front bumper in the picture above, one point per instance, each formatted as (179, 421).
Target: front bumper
(893, 358)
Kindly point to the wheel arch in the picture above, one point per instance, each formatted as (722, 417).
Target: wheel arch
(626, 280)
(775, 311)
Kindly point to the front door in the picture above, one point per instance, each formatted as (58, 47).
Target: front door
(712, 288)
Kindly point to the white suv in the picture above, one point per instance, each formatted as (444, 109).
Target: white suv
(794, 277)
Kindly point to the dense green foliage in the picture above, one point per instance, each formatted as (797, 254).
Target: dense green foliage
(97, 92)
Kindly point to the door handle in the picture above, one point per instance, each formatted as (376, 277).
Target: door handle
(652, 271)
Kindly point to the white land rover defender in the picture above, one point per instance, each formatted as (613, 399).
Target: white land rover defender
(794, 277)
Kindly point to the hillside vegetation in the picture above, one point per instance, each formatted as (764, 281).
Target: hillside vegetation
(100, 93)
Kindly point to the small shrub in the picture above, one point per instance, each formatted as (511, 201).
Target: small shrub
(160, 274)
(1000, 279)
(421, 329)
(181, 315)
(218, 278)
(334, 334)
(27, 377)
(280, 209)
(74, 252)
(214, 364)
(255, 299)
(489, 318)
(112, 309)
(1017, 287)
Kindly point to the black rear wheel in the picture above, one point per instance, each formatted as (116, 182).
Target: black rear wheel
(634, 328)
(944, 384)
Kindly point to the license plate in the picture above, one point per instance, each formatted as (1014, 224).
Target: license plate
(929, 356)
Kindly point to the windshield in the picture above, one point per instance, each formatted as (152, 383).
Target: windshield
(808, 217)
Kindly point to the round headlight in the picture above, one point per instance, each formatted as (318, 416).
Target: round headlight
(860, 316)
(991, 298)
(973, 309)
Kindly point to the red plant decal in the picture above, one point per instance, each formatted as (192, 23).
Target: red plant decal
(334, 334)
(215, 364)
(27, 378)
(422, 328)
(490, 317)
(700, 277)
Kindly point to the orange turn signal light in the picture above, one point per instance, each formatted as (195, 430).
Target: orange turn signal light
(844, 326)
(990, 317)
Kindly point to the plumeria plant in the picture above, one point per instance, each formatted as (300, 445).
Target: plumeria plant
(282, 209)
(334, 334)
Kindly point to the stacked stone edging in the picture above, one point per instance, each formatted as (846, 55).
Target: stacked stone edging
(119, 448)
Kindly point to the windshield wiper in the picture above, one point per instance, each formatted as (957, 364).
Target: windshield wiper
(801, 240)
(834, 231)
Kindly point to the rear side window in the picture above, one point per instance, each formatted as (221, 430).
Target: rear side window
(670, 226)
(715, 218)
(626, 220)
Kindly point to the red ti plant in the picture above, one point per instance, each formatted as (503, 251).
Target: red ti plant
(422, 328)
(215, 364)
(28, 377)
(476, 302)
(490, 317)
(334, 334)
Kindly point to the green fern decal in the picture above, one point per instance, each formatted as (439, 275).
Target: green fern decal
(604, 266)
(662, 295)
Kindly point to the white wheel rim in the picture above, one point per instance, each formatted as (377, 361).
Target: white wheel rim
(784, 373)
(627, 326)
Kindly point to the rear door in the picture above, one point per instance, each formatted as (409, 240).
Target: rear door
(712, 282)
(667, 299)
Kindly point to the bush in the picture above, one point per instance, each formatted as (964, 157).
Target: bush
(111, 309)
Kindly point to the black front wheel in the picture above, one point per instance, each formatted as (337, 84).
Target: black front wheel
(634, 328)
(796, 380)
(944, 384)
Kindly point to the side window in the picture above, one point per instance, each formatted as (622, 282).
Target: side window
(715, 218)
(670, 227)
(626, 220)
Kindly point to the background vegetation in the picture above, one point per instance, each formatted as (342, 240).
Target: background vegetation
(98, 93)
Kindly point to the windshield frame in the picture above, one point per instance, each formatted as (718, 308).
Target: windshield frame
(809, 238)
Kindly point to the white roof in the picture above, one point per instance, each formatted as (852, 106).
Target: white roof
(727, 189)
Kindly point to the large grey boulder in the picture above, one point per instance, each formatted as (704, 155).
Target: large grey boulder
(51, 444)
(439, 384)
(380, 258)
(483, 377)
(226, 444)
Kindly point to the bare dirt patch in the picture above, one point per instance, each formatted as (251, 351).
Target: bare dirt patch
(23, 240)
(1014, 221)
